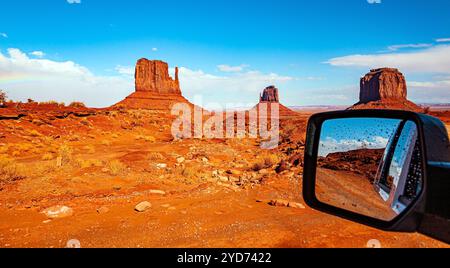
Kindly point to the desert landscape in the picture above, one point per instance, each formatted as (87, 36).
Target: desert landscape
(117, 177)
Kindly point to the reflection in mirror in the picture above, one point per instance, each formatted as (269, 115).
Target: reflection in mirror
(371, 166)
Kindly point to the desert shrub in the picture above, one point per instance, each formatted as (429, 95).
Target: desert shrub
(116, 167)
(82, 163)
(50, 102)
(106, 143)
(115, 136)
(47, 156)
(35, 133)
(66, 154)
(146, 138)
(10, 171)
(266, 161)
(2, 99)
(155, 156)
(85, 121)
(77, 104)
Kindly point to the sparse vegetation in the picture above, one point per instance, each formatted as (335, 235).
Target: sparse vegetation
(66, 154)
(47, 156)
(77, 104)
(2, 99)
(115, 167)
(10, 171)
(266, 161)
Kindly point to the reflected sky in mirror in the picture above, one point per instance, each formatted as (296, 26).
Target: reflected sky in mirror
(342, 135)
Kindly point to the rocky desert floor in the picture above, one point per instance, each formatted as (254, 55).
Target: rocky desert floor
(99, 167)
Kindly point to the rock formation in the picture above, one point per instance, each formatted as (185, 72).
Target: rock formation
(384, 88)
(270, 94)
(383, 84)
(154, 88)
(153, 76)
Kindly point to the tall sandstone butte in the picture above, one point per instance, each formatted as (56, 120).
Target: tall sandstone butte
(384, 88)
(383, 84)
(153, 76)
(154, 88)
(270, 94)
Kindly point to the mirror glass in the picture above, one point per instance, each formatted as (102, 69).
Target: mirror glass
(371, 166)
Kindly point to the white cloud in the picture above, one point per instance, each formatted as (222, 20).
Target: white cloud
(330, 145)
(374, 1)
(231, 69)
(398, 47)
(74, 1)
(38, 54)
(4, 35)
(430, 60)
(125, 70)
(154, 49)
(41, 79)
(443, 40)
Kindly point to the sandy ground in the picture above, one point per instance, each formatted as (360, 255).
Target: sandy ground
(213, 197)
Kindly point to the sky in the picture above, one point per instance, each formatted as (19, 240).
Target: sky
(342, 135)
(228, 51)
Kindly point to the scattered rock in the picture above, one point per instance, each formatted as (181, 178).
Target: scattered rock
(279, 203)
(234, 172)
(161, 166)
(102, 210)
(263, 172)
(286, 203)
(205, 160)
(57, 212)
(180, 160)
(157, 192)
(296, 205)
(143, 206)
(282, 166)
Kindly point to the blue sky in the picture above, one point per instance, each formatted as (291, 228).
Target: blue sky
(314, 51)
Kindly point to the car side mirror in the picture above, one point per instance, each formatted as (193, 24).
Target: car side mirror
(370, 167)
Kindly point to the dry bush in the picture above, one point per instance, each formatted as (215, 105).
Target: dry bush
(85, 121)
(77, 104)
(116, 167)
(66, 154)
(34, 133)
(81, 163)
(266, 161)
(146, 138)
(153, 156)
(10, 171)
(47, 156)
(106, 143)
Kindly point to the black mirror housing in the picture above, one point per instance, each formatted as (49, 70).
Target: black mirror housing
(432, 137)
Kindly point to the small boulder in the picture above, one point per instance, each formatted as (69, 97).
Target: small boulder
(57, 212)
(180, 160)
(102, 210)
(157, 192)
(143, 206)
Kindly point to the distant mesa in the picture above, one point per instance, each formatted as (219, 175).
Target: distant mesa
(270, 94)
(154, 88)
(384, 88)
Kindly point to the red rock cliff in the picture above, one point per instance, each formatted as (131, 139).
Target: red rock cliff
(270, 94)
(153, 76)
(383, 84)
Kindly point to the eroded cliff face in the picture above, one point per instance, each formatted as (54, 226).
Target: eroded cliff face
(383, 84)
(270, 94)
(384, 88)
(154, 88)
(153, 76)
